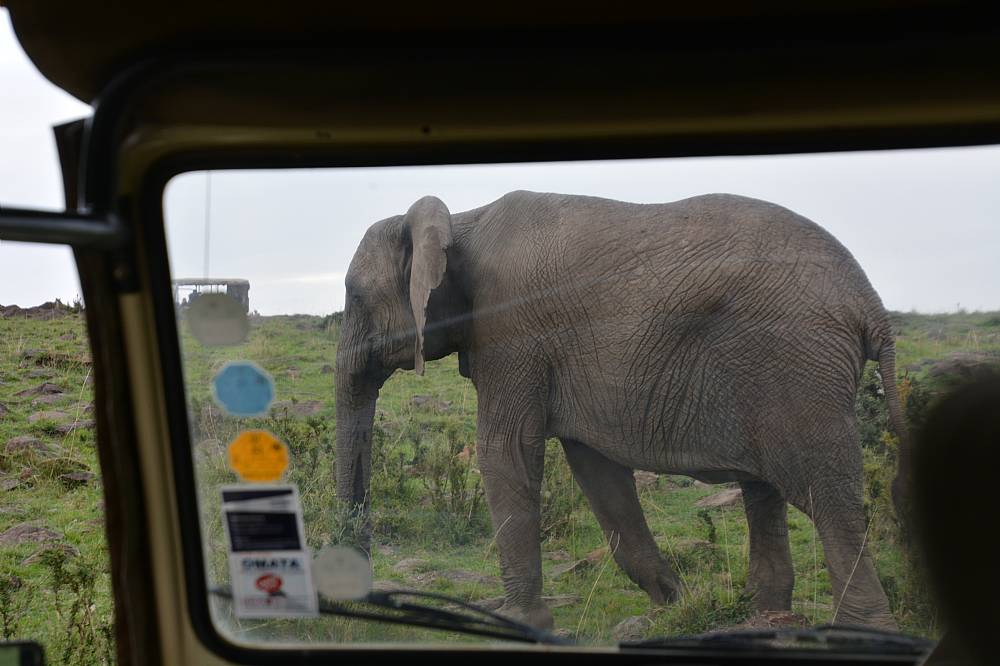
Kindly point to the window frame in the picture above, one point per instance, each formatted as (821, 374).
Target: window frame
(143, 266)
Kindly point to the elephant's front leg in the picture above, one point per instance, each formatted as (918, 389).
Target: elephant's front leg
(511, 452)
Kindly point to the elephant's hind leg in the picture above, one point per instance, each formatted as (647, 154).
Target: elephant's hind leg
(610, 489)
(771, 575)
(829, 491)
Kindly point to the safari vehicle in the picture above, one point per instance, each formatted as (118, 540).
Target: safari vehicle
(187, 290)
(180, 87)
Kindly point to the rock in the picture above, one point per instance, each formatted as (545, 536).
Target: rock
(50, 415)
(69, 428)
(430, 402)
(327, 369)
(40, 373)
(385, 586)
(469, 577)
(422, 579)
(48, 399)
(24, 443)
(28, 533)
(595, 556)
(575, 567)
(89, 408)
(774, 620)
(558, 555)
(701, 484)
(75, 479)
(730, 497)
(631, 628)
(65, 548)
(45, 388)
(410, 565)
(645, 479)
(560, 600)
(9, 484)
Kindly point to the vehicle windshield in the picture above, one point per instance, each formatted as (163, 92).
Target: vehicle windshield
(598, 402)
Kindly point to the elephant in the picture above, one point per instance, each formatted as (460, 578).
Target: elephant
(719, 337)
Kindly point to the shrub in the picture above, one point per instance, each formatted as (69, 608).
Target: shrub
(561, 496)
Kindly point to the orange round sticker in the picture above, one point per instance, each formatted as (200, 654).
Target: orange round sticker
(258, 456)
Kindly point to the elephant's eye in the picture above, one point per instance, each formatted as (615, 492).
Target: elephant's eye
(356, 299)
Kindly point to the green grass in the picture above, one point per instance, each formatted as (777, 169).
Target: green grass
(427, 501)
(62, 598)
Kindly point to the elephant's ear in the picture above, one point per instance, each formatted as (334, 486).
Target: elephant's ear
(429, 223)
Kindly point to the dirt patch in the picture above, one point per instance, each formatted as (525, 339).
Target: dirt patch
(45, 388)
(774, 620)
(471, 577)
(300, 408)
(50, 415)
(28, 533)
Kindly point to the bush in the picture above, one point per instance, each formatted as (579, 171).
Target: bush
(870, 409)
(453, 487)
(561, 496)
(701, 610)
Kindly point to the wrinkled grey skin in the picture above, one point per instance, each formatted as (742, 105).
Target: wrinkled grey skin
(719, 337)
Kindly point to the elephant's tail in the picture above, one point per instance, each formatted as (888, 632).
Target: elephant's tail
(886, 357)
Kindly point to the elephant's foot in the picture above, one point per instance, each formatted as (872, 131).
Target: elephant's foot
(875, 616)
(769, 599)
(663, 587)
(770, 593)
(538, 616)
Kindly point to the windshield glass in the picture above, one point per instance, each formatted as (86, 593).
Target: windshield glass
(607, 401)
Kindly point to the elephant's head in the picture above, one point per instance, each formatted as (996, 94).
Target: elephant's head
(388, 324)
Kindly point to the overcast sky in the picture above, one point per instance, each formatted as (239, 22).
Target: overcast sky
(925, 225)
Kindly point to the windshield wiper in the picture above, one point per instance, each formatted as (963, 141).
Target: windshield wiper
(824, 637)
(394, 607)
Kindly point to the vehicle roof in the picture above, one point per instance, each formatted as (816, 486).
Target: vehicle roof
(201, 282)
(82, 46)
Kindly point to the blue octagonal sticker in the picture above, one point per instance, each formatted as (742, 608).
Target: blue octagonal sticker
(243, 388)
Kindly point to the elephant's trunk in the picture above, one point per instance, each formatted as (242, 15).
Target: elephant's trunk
(356, 397)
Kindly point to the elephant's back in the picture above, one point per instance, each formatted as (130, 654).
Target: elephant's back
(751, 243)
(714, 257)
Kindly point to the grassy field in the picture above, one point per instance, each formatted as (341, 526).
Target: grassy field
(431, 525)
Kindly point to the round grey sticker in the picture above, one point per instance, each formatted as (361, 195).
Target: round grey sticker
(342, 574)
(218, 320)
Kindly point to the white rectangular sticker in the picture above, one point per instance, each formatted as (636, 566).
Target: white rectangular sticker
(269, 564)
